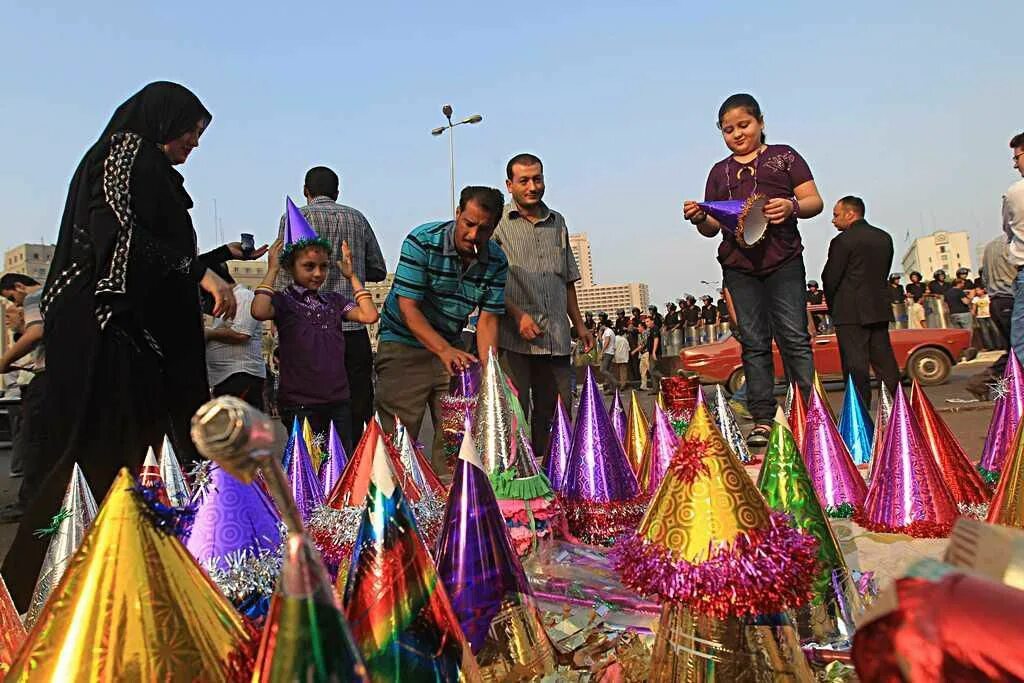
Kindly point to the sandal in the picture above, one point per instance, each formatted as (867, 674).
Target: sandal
(758, 437)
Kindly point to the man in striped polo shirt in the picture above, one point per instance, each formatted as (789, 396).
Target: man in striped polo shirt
(446, 270)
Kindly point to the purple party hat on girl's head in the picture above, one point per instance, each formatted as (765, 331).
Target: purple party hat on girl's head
(741, 219)
(1006, 415)
(236, 536)
(601, 493)
(333, 465)
(305, 486)
(296, 227)
(840, 487)
(660, 448)
(855, 426)
(617, 415)
(559, 446)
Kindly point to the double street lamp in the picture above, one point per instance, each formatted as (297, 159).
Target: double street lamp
(450, 127)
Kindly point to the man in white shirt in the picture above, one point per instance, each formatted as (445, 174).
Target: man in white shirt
(606, 337)
(621, 360)
(234, 351)
(1013, 226)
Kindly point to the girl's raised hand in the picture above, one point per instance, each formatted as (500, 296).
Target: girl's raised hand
(274, 254)
(345, 264)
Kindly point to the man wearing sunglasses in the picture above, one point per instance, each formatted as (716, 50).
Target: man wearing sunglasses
(1013, 226)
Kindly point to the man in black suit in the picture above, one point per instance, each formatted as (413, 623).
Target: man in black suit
(857, 293)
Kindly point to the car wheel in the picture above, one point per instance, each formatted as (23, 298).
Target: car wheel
(736, 380)
(929, 367)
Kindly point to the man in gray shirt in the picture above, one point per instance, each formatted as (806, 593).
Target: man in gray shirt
(998, 273)
(540, 298)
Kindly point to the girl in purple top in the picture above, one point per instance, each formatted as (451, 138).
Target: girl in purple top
(313, 382)
(766, 281)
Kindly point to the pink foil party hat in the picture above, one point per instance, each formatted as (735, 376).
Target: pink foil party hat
(660, 449)
(908, 494)
(559, 446)
(839, 485)
(1005, 417)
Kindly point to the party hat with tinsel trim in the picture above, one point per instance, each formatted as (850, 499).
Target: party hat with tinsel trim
(488, 588)
(417, 475)
(617, 415)
(783, 481)
(787, 406)
(709, 541)
(12, 632)
(637, 433)
(134, 606)
(398, 609)
(333, 464)
(908, 494)
(66, 531)
(819, 389)
(466, 382)
(725, 419)
(177, 489)
(149, 473)
(1007, 506)
(316, 454)
(660, 449)
(742, 219)
(297, 232)
(797, 416)
(415, 463)
(302, 479)
(1006, 416)
(236, 537)
(305, 637)
(559, 446)
(840, 487)
(600, 493)
(881, 423)
(969, 492)
(855, 426)
(453, 421)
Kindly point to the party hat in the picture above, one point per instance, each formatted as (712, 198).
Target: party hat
(134, 605)
(66, 531)
(149, 473)
(908, 494)
(617, 414)
(725, 419)
(396, 605)
(783, 481)
(12, 631)
(333, 464)
(415, 463)
(855, 426)
(965, 484)
(819, 389)
(559, 446)
(741, 219)
(1006, 415)
(660, 449)
(840, 487)
(600, 492)
(466, 382)
(236, 537)
(419, 475)
(788, 405)
(453, 422)
(305, 637)
(304, 484)
(882, 414)
(485, 581)
(637, 433)
(797, 416)
(178, 491)
(1007, 505)
(313, 444)
(709, 541)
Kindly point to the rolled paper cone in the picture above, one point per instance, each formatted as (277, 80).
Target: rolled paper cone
(333, 465)
(881, 424)
(797, 417)
(637, 433)
(840, 487)
(725, 419)
(908, 494)
(965, 484)
(855, 426)
(66, 532)
(697, 648)
(177, 489)
(12, 632)
(660, 450)
(741, 219)
(559, 446)
(617, 415)
(1007, 506)
(1005, 418)
(134, 605)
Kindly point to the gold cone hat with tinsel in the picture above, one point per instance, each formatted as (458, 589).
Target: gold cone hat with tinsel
(1007, 506)
(709, 540)
(637, 433)
(134, 606)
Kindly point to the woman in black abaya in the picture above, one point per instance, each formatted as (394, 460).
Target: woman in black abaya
(121, 307)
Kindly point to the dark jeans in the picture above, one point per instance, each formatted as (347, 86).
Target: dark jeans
(320, 417)
(359, 367)
(37, 461)
(539, 379)
(864, 345)
(247, 387)
(1001, 309)
(768, 306)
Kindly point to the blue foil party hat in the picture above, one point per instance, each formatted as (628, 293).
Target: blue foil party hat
(855, 426)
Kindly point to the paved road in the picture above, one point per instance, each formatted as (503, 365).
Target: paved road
(969, 421)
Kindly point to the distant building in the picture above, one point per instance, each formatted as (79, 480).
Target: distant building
(580, 245)
(29, 259)
(249, 273)
(379, 290)
(608, 298)
(943, 250)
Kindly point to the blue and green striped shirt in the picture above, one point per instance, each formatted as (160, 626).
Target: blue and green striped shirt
(430, 272)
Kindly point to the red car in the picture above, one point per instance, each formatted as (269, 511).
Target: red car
(926, 355)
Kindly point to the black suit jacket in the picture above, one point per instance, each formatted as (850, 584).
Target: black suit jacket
(856, 275)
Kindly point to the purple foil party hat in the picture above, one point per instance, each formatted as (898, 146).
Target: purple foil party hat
(908, 494)
(465, 383)
(741, 219)
(559, 446)
(840, 487)
(333, 463)
(660, 449)
(1006, 416)
(296, 227)
(617, 415)
(725, 419)
(305, 486)
(855, 426)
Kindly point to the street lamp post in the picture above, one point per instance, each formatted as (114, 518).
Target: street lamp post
(447, 111)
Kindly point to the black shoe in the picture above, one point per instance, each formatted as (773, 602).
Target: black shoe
(11, 514)
(758, 437)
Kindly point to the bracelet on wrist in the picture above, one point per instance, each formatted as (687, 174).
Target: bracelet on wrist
(264, 292)
(796, 206)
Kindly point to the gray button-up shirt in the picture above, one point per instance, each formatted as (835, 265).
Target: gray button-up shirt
(336, 222)
(540, 266)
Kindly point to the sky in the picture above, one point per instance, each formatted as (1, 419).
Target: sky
(909, 105)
